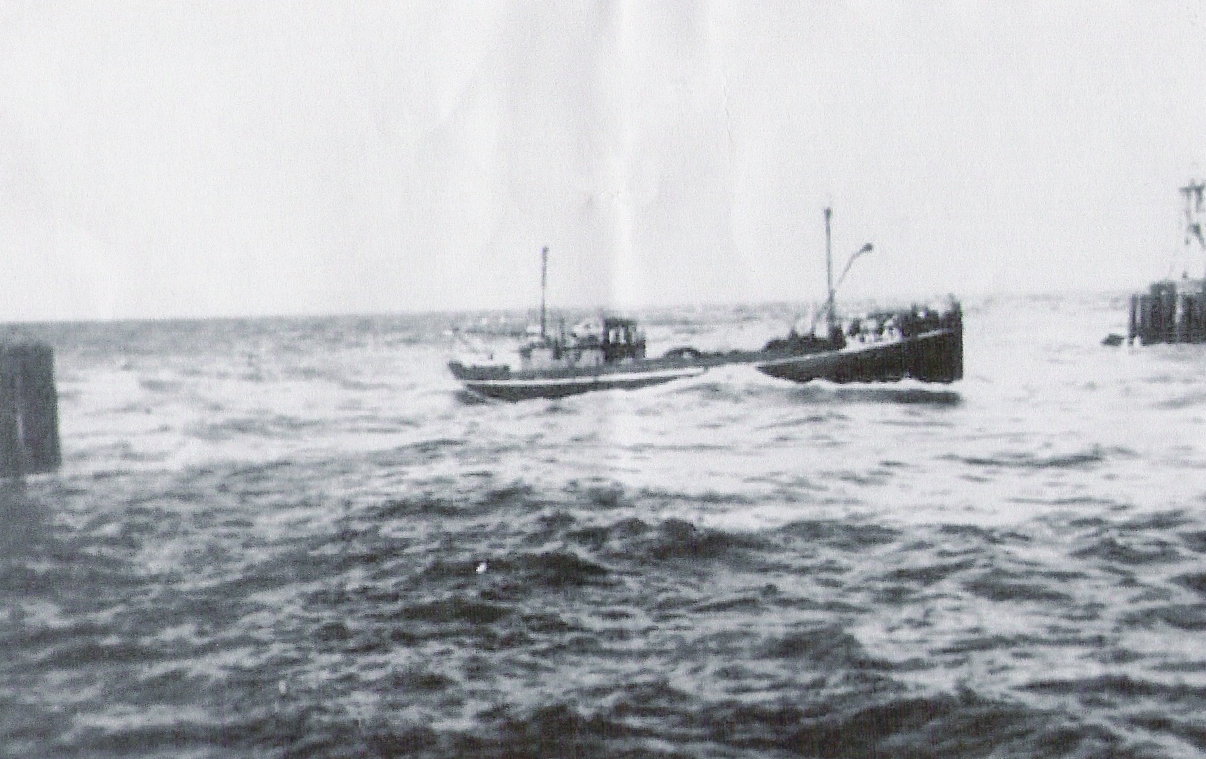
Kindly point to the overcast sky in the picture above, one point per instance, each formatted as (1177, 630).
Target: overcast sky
(204, 158)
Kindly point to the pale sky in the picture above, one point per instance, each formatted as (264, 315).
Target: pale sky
(163, 159)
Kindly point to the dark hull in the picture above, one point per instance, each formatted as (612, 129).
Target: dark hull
(935, 356)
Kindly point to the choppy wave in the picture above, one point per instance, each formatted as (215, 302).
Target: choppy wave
(332, 555)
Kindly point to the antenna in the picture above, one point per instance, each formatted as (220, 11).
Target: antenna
(828, 265)
(544, 265)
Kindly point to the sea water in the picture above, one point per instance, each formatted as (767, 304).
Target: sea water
(296, 538)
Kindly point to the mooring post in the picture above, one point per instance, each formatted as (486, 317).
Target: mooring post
(1180, 317)
(1132, 328)
(11, 464)
(29, 410)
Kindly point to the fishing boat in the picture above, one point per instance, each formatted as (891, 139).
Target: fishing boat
(924, 343)
(921, 343)
(606, 353)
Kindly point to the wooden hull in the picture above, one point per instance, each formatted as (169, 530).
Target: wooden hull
(935, 356)
(489, 382)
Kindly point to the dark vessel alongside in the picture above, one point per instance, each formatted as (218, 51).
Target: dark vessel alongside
(921, 343)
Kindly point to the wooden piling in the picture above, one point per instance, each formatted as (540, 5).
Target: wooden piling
(1132, 329)
(1171, 312)
(29, 410)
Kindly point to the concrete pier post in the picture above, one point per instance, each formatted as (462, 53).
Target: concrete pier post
(29, 413)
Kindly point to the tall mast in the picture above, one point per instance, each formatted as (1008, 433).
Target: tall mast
(1193, 193)
(544, 264)
(828, 267)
